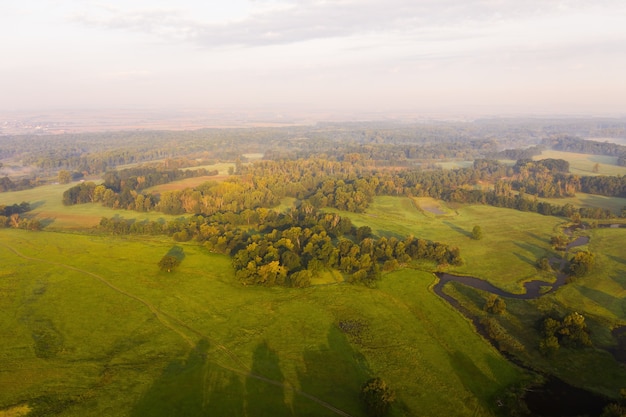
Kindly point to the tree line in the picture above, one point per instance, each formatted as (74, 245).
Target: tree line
(351, 186)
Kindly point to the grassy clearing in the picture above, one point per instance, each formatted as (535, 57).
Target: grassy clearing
(221, 167)
(455, 164)
(603, 292)
(615, 204)
(186, 183)
(593, 368)
(512, 240)
(49, 209)
(91, 327)
(583, 164)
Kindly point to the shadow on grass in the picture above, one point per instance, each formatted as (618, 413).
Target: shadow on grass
(528, 247)
(333, 373)
(537, 237)
(524, 258)
(46, 222)
(37, 204)
(264, 398)
(472, 378)
(615, 305)
(458, 229)
(617, 259)
(193, 387)
(176, 252)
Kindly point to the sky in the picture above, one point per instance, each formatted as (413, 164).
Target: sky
(489, 56)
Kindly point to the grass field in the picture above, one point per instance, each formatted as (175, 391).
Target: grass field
(615, 204)
(582, 164)
(91, 327)
(49, 209)
(512, 240)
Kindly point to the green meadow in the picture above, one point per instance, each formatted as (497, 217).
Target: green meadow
(48, 207)
(583, 164)
(91, 327)
(512, 240)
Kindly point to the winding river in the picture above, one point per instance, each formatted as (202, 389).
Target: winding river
(555, 398)
(534, 289)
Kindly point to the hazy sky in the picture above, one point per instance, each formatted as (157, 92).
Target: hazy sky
(498, 56)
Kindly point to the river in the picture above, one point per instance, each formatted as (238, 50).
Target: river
(554, 398)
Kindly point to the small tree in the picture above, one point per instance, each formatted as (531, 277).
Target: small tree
(581, 263)
(377, 397)
(544, 264)
(64, 176)
(477, 233)
(495, 304)
(168, 263)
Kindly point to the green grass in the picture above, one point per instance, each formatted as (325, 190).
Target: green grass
(583, 164)
(512, 240)
(124, 338)
(614, 204)
(49, 209)
(602, 293)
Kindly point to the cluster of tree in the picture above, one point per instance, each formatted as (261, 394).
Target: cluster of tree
(575, 144)
(343, 185)
(570, 331)
(23, 207)
(518, 153)
(10, 217)
(6, 184)
(18, 222)
(546, 178)
(581, 263)
(495, 305)
(122, 189)
(290, 248)
(613, 186)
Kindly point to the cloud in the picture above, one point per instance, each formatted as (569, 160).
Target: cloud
(291, 22)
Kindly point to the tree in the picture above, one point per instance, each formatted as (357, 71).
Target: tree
(168, 263)
(544, 264)
(596, 168)
(495, 304)
(477, 233)
(581, 263)
(64, 176)
(377, 397)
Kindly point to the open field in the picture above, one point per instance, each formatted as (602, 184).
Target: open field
(603, 292)
(48, 207)
(512, 240)
(582, 164)
(182, 184)
(91, 327)
(615, 204)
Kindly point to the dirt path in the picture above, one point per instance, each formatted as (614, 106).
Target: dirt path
(166, 320)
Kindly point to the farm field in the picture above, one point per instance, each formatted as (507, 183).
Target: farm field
(91, 327)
